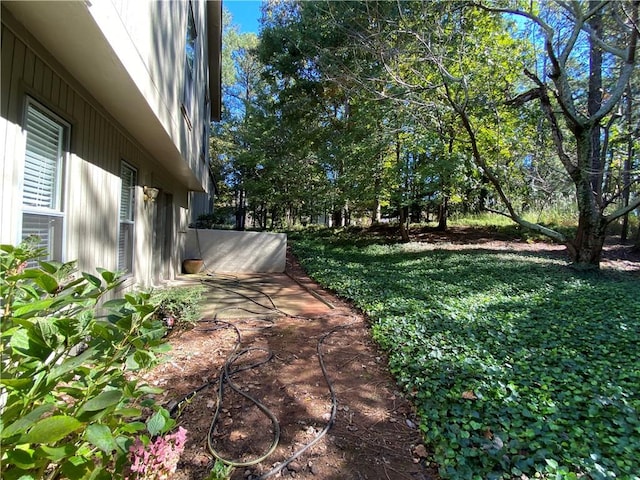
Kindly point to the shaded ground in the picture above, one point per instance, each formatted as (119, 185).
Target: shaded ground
(374, 435)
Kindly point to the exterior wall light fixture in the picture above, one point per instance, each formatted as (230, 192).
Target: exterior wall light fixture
(150, 193)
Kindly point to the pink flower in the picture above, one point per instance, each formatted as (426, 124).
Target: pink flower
(159, 459)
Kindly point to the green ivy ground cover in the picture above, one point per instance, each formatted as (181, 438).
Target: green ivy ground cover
(519, 366)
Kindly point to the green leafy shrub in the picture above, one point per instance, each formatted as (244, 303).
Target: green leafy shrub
(222, 218)
(178, 307)
(69, 406)
(519, 367)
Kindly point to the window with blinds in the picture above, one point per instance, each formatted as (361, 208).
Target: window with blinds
(42, 213)
(127, 214)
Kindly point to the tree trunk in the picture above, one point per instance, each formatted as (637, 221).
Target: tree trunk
(415, 213)
(240, 211)
(274, 217)
(404, 232)
(376, 213)
(443, 214)
(586, 248)
(337, 218)
(265, 216)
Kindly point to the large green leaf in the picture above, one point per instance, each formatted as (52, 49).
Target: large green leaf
(21, 458)
(16, 383)
(24, 423)
(101, 437)
(55, 454)
(71, 363)
(23, 343)
(160, 422)
(45, 332)
(51, 429)
(43, 279)
(32, 308)
(102, 401)
(156, 424)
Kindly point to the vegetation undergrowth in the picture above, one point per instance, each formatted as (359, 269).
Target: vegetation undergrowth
(178, 307)
(519, 367)
(70, 406)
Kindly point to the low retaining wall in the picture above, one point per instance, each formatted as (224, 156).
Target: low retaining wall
(238, 252)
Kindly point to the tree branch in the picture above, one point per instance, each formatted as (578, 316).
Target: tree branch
(622, 211)
(488, 172)
(626, 70)
(577, 27)
(525, 97)
(556, 130)
(531, 226)
(545, 26)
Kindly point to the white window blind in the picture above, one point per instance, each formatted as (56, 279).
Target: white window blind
(42, 181)
(128, 176)
(125, 248)
(127, 209)
(43, 161)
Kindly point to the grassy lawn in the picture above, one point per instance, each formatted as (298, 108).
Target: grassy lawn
(516, 363)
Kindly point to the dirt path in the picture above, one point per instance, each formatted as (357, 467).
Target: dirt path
(373, 436)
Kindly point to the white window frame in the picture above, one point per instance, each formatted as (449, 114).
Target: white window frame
(126, 220)
(42, 209)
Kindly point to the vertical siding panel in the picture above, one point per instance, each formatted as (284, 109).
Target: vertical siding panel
(83, 168)
(66, 100)
(86, 129)
(8, 50)
(29, 65)
(7, 136)
(13, 150)
(112, 218)
(55, 90)
(99, 153)
(38, 74)
(93, 205)
(88, 220)
(65, 103)
(20, 54)
(74, 229)
(46, 83)
(99, 188)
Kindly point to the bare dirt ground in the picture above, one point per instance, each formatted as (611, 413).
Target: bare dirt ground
(373, 435)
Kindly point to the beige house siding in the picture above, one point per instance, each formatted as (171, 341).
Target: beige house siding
(99, 142)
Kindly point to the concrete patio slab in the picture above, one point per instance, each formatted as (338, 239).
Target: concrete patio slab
(230, 296)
